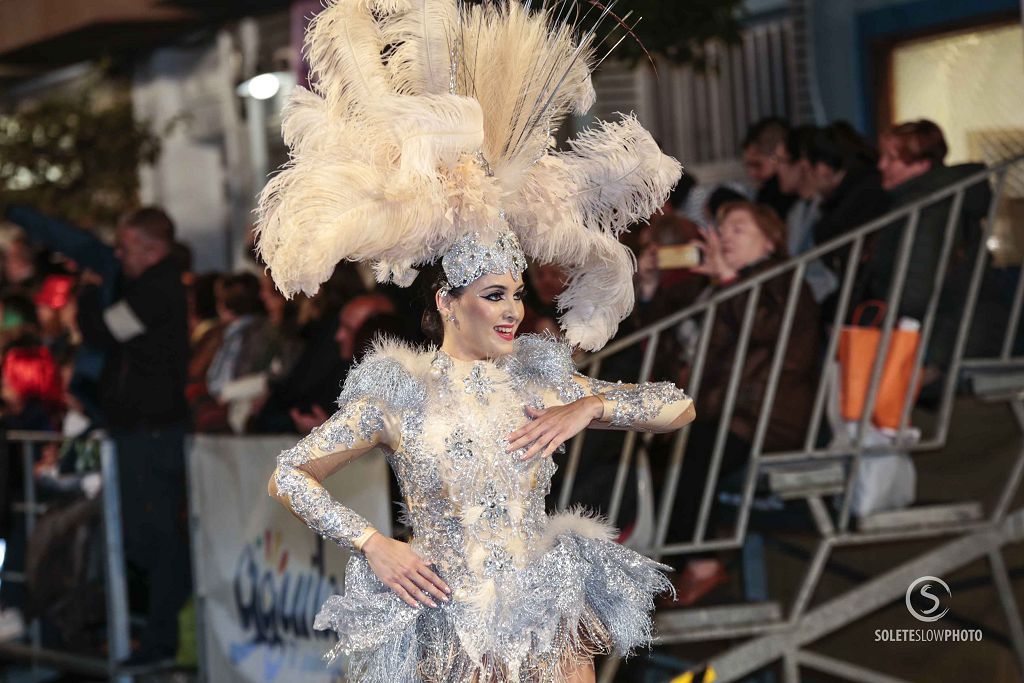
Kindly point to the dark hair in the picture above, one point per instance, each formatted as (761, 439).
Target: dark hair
(824, 147)
(204, 295)
(857, 146)
(797, 142)
(240, 294)
(681, 192)
(433, 279)
(920, 140)
(766, 134)
(343, 286)
(182, 255)
(389, 325)
(152, 222)
(723, 195)
(21, 306)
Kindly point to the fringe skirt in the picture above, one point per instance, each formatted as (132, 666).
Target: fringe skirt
(583, 595)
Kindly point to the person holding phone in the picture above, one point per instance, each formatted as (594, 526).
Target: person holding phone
(749, 239)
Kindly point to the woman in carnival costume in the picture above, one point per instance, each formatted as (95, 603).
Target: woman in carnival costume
(426, 142)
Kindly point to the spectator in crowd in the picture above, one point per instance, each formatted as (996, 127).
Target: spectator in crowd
(206, 334)
(243, 362)
(312, 382)
(31, 387)
(912, 166)
(750, 240)
(248, 344)
(86, 251)
(380, 326)
(31, 393)
(761, 162)
(18, 319)
(182, 255)
(857, 146)
(682, 285)
(546, 282)
(662, 292)
(351, 319)
(686, 200)
(354, 314)
(797, 177)
(55, 311)
(850, 191)
(721, 196)
(20, 270)
(142, 394)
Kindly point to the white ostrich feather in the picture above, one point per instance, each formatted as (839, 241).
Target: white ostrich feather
(308, 128)
(574, 204)
(527, 76)
(619, 174)
(432, 130)
(424, 35)
(391, 164)
(599, 295)
(343, 46)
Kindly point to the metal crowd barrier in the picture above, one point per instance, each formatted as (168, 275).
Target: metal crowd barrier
(819, 473)
(30, 649)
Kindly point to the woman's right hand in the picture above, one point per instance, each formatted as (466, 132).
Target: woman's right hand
(399, 568)
(713, 264)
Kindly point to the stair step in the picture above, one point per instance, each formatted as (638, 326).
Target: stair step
(807, 480)
(682, 624)
(919, 517)
(993, 384)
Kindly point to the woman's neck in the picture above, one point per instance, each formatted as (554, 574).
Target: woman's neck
(455, 352)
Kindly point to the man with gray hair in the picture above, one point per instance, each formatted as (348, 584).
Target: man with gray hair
(142, 398)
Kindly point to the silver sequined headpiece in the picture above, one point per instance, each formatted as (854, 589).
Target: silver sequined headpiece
(471, 257)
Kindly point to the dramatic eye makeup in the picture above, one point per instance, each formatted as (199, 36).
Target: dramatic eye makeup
(496, 293)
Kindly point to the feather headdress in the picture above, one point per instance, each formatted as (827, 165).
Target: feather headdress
(432, 119)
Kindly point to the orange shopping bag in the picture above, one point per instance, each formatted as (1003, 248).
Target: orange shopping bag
(858, 345)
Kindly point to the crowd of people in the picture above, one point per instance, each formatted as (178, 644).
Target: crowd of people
(130, 340)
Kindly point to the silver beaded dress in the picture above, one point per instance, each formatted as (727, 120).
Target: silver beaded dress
(532, 593)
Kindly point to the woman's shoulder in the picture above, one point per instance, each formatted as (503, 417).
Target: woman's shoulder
(392, 371)
(542, 358)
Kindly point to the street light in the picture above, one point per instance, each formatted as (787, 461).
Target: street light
(258, 94)
(263, 86)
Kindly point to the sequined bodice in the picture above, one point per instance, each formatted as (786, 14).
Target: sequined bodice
(474, 508)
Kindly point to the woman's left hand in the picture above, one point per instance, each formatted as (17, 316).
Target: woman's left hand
(551, 427)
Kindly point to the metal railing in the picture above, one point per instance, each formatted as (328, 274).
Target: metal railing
(31, 648)
(830, 470)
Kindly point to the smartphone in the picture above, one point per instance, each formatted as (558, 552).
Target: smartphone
(679, 256)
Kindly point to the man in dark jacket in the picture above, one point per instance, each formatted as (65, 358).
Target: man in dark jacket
(761, 162)
(851, 192)
(912, 167)
(142, 396)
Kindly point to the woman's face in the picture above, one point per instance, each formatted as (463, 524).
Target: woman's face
(743, 243)
(488, 314)
(894, 170)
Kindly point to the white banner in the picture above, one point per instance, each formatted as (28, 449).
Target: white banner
(261, 575)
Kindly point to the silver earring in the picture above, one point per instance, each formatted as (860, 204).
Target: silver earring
(452, 318)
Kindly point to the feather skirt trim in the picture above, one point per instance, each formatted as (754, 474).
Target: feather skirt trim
(583, 596)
